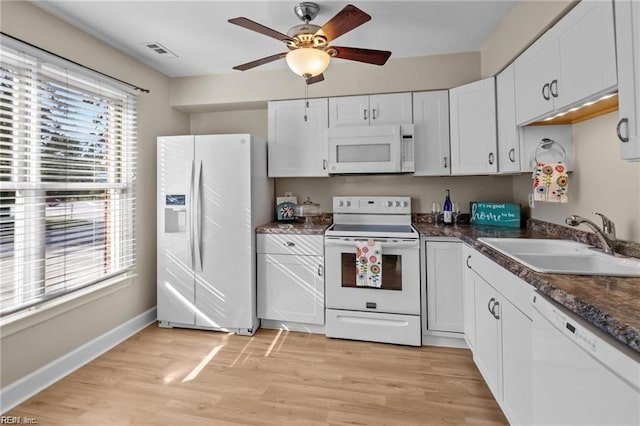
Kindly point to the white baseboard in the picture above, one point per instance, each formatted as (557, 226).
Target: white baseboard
(24, 388)
(447, 340)
(292, 326)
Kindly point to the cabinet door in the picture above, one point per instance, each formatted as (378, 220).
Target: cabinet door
(444, 287)
(391, 108)
(291, 288)
(508, 135)
(535, 70)
(517, 364)
(298, 144)
(469, 297)
(473, 128)
(628, 56)
(349, 111)
(587, 56)
(431, 133)
(487, 355)
(176, 276)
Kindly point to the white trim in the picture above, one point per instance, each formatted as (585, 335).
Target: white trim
(292, 326)
(16, 322)
(444, 339)
(26, 387)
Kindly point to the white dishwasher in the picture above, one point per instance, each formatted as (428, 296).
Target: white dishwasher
(581, 376)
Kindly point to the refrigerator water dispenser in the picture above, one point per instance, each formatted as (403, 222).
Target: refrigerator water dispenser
(175, 214)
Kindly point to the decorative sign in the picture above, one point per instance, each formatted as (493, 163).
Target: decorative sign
(285, 207)
(496, 214)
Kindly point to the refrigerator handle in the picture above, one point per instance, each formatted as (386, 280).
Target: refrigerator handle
(191, 236)
(198, 214)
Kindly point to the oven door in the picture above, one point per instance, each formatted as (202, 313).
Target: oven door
(400, 289)
(369, 149)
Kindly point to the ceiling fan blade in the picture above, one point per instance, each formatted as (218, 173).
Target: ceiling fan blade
(316, 79)
(347, 19)
(259, 62)
(370, 56)
(259, 28)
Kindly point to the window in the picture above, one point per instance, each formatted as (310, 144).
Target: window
(67, 156)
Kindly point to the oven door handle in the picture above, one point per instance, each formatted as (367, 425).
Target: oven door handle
(390, 244)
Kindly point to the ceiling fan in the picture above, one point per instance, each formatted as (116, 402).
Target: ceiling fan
(309, 51)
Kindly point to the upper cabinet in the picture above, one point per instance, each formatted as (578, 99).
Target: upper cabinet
(573, 61)
(519, 148)
(628, 50)
(298, 138)
(508, 137)
(472, 109)
(431, 133)
(392, 108)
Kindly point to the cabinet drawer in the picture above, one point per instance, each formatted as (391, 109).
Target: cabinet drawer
(290, 244)
(374, 327)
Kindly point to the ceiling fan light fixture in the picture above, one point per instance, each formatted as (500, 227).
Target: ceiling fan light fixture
(307, 61)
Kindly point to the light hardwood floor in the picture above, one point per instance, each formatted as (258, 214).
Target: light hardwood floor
(192, 377)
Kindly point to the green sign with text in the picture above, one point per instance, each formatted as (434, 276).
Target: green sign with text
(496, 214)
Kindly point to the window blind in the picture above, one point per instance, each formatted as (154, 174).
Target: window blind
(67, 164)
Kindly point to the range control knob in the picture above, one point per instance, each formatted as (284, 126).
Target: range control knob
(341, 203)
(397, 203)
(389, 203)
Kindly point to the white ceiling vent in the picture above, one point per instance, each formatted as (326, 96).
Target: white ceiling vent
(160, 50)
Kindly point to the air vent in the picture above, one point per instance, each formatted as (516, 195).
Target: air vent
(160, 50)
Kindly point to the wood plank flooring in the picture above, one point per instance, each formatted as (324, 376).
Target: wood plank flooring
(177, 376)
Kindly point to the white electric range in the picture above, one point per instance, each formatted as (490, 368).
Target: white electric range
(390, 311)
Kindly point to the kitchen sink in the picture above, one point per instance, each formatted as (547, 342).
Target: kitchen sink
(563, 257)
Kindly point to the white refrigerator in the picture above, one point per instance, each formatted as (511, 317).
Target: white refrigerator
(213, 191)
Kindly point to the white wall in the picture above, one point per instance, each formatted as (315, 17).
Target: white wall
(524, 23)
(251, 90)
(27, 345)
(594, 140)
(601, 181)
(407, 74)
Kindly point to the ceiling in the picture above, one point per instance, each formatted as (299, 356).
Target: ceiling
(198, 33)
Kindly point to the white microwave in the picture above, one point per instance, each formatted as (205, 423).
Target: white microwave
(371, 149)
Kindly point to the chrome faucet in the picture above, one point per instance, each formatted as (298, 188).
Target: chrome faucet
(607, 234)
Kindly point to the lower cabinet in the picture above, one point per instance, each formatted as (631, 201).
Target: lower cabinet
(442, 292)
(502, 328)
(290, 278)
(444, 286)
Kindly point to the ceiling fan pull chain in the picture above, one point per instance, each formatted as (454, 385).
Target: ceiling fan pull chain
(306, 100)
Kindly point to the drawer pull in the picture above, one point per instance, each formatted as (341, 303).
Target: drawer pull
(289, 243)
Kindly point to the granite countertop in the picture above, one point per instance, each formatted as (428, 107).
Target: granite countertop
(610, 303)
(320, 224)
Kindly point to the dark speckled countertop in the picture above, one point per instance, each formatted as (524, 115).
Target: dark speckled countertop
(610, 303)
(320, 224)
